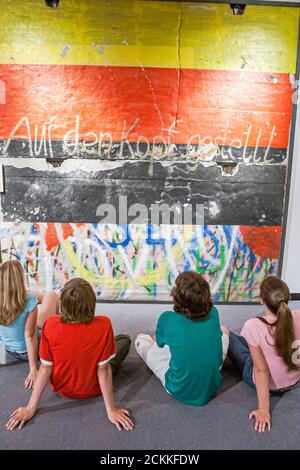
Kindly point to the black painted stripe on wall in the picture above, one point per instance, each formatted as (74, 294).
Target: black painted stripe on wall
(273, 174)
(134, 151)
(252, 196)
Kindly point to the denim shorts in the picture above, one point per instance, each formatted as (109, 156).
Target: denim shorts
(23, 356)
(16, 355)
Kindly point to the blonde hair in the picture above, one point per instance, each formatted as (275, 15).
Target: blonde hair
(13, 295)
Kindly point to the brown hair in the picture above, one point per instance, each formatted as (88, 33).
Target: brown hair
(77, 302)
(276, 295)
(13, 295)
(191, 295)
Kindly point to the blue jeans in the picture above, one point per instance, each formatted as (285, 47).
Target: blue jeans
(239, 354)
(17, 355)
(23, 356)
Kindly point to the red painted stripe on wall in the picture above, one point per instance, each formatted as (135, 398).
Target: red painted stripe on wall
(263, 241)
(129, 102)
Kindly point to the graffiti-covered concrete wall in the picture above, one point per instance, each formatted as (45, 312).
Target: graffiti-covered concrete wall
(161, 102)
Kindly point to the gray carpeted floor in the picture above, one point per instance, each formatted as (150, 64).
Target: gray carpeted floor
(161, 421)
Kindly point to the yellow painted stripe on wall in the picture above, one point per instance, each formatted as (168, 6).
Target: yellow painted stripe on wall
(149, 34)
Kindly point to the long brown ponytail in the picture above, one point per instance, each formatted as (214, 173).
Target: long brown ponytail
(276, 295)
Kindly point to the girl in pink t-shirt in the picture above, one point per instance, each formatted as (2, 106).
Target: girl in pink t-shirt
(267, 353)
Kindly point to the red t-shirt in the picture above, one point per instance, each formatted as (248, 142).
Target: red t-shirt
(75, 350)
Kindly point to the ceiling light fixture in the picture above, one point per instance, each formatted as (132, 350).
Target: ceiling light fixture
(237, 8)
(52, 3)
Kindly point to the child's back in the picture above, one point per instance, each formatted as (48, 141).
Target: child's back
(196, 351)
(13, 334)
(76, 350)
(190, 345)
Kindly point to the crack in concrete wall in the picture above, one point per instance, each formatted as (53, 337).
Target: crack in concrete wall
(179, 60)
(154, 95)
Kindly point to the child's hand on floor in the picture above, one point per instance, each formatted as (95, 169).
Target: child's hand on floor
(31, 378)
(262, 420)
(19, 417)
(121, 418)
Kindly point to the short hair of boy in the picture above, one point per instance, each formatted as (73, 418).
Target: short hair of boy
(191, 295)
(77, 302)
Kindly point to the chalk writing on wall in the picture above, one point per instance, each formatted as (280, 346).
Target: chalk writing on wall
(38, 142)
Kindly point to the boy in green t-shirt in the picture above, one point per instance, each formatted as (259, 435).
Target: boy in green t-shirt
(190, 345)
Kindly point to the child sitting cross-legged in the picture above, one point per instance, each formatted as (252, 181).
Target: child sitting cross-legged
(78, 352)
(190, 345)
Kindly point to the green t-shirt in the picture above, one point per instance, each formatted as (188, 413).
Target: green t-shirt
(196, 356)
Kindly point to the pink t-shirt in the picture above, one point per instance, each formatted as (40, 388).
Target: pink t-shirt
(260, 335)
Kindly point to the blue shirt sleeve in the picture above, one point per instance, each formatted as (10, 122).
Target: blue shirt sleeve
(31, 303)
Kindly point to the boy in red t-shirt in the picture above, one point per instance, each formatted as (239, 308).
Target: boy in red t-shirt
(78, 352)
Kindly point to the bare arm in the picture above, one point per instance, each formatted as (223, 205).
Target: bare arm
(261, 376)
(42, 380)
(39, 295)
(32, 347)
(21, 415)
(118, 416)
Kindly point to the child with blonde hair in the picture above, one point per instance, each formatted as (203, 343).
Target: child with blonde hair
(19, 316)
